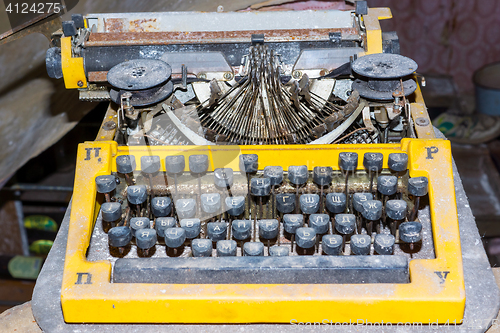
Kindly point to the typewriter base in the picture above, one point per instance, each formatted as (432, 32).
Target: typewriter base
(482, 295)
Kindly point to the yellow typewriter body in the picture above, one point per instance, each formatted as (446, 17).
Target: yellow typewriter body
(434, 291)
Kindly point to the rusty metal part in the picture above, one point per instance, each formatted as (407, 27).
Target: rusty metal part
(107, 131)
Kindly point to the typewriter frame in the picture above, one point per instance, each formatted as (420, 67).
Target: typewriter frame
(436, 292)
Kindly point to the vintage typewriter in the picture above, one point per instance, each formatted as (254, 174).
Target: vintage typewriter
(255, 167)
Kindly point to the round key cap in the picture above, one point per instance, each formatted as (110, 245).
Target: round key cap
(175, 164)
(322, 175)
(161, 206)
(136, 194)
(223, 177)
(384, 244)
(418, 186)
(192, 227)
(185, 208)
(332, 244)
(201, 247)
(105, 184)
(320, 223)
(297, 174)
(360, 244)
(125, 163)
(372, 210)
(226, 248)
(410, 232)
(150, 164)
(345, 224)
(162, 224)
(268, 229)
(396, 209)
(398, 161)
(358, 199)
(216, 231)
(373, 161)
(348, 161)
(198, 163)
(111, 211)
(260, 186)
(145, 239)
(249, 163)
(309, 203)
(175, 237)
(292, 222)
(253, 249)
(138, 223)
(305, 237)
(335, 202)
(235, 205)
(387, 185)
(210, 203)
(285, 203)
(275, 174)
(119, 236)
(242, 229)
(279, 251)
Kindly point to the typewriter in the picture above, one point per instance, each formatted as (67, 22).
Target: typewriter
(254, 167)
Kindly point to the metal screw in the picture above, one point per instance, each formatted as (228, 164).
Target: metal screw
(297, 74)
(109, 125)
(80, 84)
(421, 121)
(228, 76)
(202, 76)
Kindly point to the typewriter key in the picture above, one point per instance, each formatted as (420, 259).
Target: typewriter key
(336, 202)
(372, 212)
(320, 223)
(119, 237)
(185, 208)
(136, 195)
(145, 239)
(138, 223)
(285, 203)
(260, 187)
(275, 174)
(210, 203)
(332, 244)
(387, 185)
(198, 163)
(175, 164)
(226, 248)
(161, 206)
(309, 203)
(150, 165)
(418, 187)
(306, 237)
(253, 249)
(291, 222)
(242, 229)
(216, 231)
(279, 251)
(398, 162)
(192, 227)
(105, 184)
(235, 205)
(360, 244)
(358, 199)
(249, 163)
(111, 211)
(175, 237)
(162, 224)
(268, 229)
(384, 244)
(345, 224)
(125, 164)
(223, 177)
(395, 210)
(297, 174)
(201, 247)
(410, 232)
(322, 176)
(348, 162)
(373, 163)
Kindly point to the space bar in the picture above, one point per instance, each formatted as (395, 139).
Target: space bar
(263, 270)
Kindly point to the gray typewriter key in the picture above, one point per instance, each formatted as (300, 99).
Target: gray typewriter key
(345, 224)
(223, 177)
(285, 203)
(410, 232)
(418, 187)
(292, 222)
(150, 164)
(136, 194)
(249, 163)
(309, 203)
(387, 185)
(235, 205)
(226, 248)
(322, 175)
(69, 28)
(306, 237)
(253, 249)
(275, 174)
(373, 161)
(138, 223)
(125, 163)
(372, 210)
(268, 229)
(198, 163)
(185, 208)
(320, 223)
(398, 161)
(119, 237)
(78, 19)
(201, 247)
(384, 244)
(396, 209)
(162, 224)
(336, 202)
(192, 227)
(210, 203)
(360, 244)
(111, 211)
(260, 186)
(241, 229)
(279, 251)
(175, 164)
(175, 237)
(105, 184)
(297, 174)
(216, 231)
(161, 206)
(332, 244)
(145, 239)
(358, 199)
(348, 161)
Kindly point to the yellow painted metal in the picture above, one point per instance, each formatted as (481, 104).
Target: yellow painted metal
(419, 110)
(428, 298)
(373, 30)
(72, 67)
